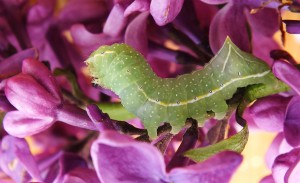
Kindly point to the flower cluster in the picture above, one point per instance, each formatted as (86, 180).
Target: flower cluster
(52, 129)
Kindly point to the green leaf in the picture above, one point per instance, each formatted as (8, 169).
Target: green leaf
(116, 111)
(236, 143)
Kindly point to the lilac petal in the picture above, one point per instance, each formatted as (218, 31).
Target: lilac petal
(283, 163)
(229, 21)
(67, 163)
(264, 24)
(287, 73)
(292, 175)
(137, 6)
(218, 168)
(100, 119)
(43, 75)
(273, 150)
(292, 122)
(82, 10)
(39, 26)
(6, 48)
(258, 3)
(15, 18)
(194, 20)
(267, 179)
(118, 158)
(292, 26)
(268, 113)
(12, 65)
(81, 175)
(215, 1)
(248, 117)
(75, 116)
(165, 11)
(87, 41)
(21, 125)
(115, 22)
(27, 95)
(4, 104)
(136, 33)
(189, 141)
(41, 11)
(278, 146)
(14, 2)
(16, 159)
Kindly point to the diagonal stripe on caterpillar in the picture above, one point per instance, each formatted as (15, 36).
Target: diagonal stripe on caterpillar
(154, 100)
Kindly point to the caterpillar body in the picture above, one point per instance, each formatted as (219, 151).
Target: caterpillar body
(155, 100)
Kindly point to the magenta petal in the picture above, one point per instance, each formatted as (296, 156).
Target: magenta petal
(229, 21)
(137, 6)
(292, 122)
(218, 168)
(258, 3)
(273, 150)
(264, 24)
(287, 73)
(165, 11)
(215, 1)
(267, 179)
(100, 119)
(12, 65)
(41, 11)
(81, 175)
(16, 159)
(21, 125)
(4, 104)
(43, 75)
(283, 163)
(136, 33)
(268, 113)
(75, 116)
(278, 146)
(74, 168)
(292, 175)
(27, 95)
(292, 26)
(118, 158)
(116, 21)
(87, 41)
(82, 10)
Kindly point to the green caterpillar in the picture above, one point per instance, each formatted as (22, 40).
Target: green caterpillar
(155, 100)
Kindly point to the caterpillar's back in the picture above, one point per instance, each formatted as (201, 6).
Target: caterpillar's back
(154, 100)
(110, 64)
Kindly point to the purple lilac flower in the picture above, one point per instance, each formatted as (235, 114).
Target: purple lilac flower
(118, 158)
(268, 113)
(286, 167)
(286, 72)
(280, 114)
(37, 97)
(232, 21)
(73, 168)
(17, 161)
